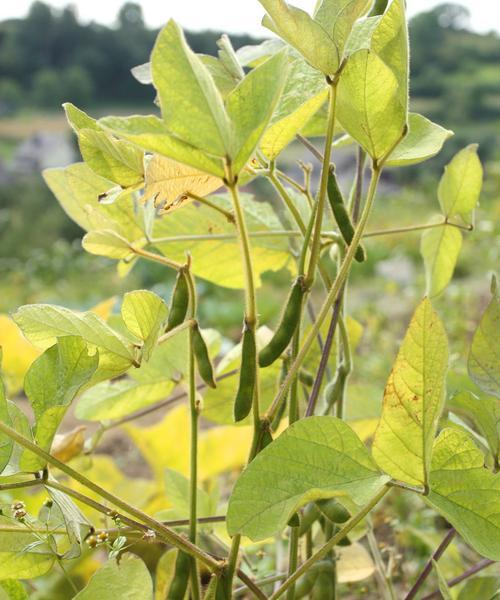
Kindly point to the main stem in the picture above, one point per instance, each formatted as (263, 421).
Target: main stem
(251, 320)
(331, 296)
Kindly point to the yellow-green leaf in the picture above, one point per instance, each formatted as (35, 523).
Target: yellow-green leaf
(423, 141)
(337, 17)
(192, 107)
(413, 400)
(440, 249)
(18, 563)
(151, 134)
(484, 355)
(144, 314)
(369, 106)
(317, 457)
(461, 183)
(307, 36)
(465, 493)
(107, 243)
(6, 444)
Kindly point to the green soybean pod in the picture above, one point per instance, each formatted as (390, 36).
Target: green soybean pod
(179, 584)
(203, 361)
(306, 377)
(248, 375)
(286, 328)
(341, 215)
(333, 510)
(179, 302)
(305, 584)
(324, 586)
(309, 516)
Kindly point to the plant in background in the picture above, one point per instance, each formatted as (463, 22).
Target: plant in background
(168, 189)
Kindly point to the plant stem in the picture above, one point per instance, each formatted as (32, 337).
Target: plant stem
(383, 578)
(331, 296)
(173, 332)
(156, 258)
(323, 551)
(293, 559)
(482, 564)
(411, 228)
(20, 484)
(285, 196)
(168, 534)
(316, 238)
(448, 538)
(311, 147)
(229, 215)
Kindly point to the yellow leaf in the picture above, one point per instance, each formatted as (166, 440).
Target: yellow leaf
(166, 444)
(18, 354)
(170, 182)
(353, 563)
(104, 308)
(68, 445)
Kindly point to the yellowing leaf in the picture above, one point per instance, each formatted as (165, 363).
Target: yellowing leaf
(297, 28)
(413, 400)
(354, 563)
(192, 107)
(440, 249)
(16, 562)
(369, 105)
(484, 355)
(461, 183)
(68, 445)
(465, 493)
(18, 354)
(150, 133)
(107, 243)
(168, 181)
(105, 308)
(423, 141)
(338, 16)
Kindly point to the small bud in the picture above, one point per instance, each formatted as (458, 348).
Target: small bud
(20, 514)
(149, 536)
(102, 536)
(18, 506)
(91, 541)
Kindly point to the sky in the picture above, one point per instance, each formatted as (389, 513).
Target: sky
(233, 16)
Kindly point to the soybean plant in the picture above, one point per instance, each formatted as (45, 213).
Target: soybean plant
(175, 188)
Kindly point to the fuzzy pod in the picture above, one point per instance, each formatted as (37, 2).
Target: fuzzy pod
(306, 585)
(341, 214)
(202, 356)
(179, 585)
(306, 378)
(309, 516)
(324, 586)
(248, 375)
(289, 322)
(179, 303)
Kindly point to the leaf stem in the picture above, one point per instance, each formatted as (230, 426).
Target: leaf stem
(332, 542)
(448, 538)
(482, 564)
(168, 534)
(157, 258)
(331, 296)
(411, 228)
(228, 214)
(316, 237)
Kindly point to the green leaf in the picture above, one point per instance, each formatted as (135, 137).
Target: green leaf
(369, 106)
(304, 93)
(165, 572)
(11, 589)
(480, 587)
(6, 444)
(192, 107)
(151, 134)
(51, 384)
(144, 314)
(218, 404)
(440, 248)
(177, 493)
(442, 583)
(20, 423)
(485, 413)
(307, 36)
(42, 324)
(413, 400)
(337, 17)
(423, 141)
(214, 248)
(78, 188)
(251, 104)
(76, 524)
(127, 579)
(116, 160)
(113, 400)
(465, 493)
(107, 243)
(317, 457)
(461, 183)
(18, 562)
(484, 355)
(78, 119)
